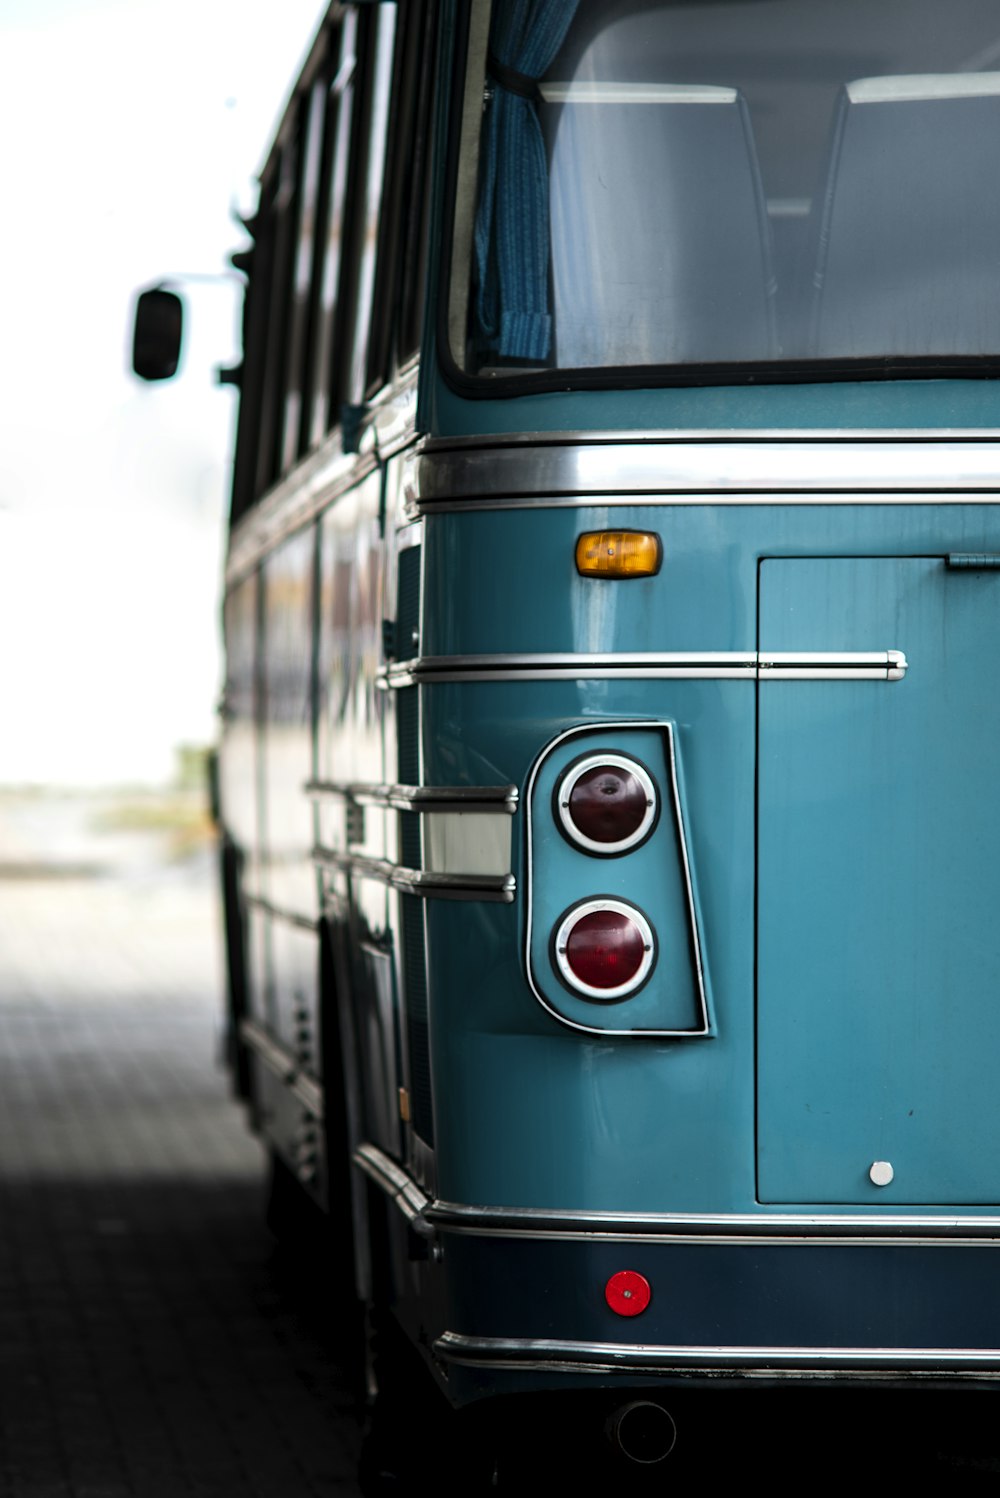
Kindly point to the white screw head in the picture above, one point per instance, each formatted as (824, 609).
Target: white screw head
(881, 1173)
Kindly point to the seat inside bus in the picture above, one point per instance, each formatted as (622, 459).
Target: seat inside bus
(661, 250)
(907, 259)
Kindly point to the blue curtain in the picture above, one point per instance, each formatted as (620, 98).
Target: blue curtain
(512, 221)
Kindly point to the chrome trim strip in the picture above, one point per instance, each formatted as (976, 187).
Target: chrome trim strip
(730, 467)
(652, 665)
(296, 501)
(693, 926)
(321, 478)
(713, 437)
(418, 798)
(726, 1229)
(690, 500)
(705, 1026)
(819, 665)
(607, 1357)
(290, 917)
(420, 882)
(401, 1189)
(284, 1065)
(567, 666)
(681, 467)
(598, 761)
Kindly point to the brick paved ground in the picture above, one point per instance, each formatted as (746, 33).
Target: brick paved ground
(153, 1342)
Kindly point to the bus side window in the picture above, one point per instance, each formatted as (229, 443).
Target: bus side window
(341, 222)
(257, 263)
(416, 237)
(377, 24)
(342, 88)
(297, 372)
(276, 194)
(906, 258)
(398, 293)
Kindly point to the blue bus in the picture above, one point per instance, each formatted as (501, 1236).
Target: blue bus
(608, 774)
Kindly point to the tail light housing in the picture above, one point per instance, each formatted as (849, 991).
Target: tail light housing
(607, 804)
(604, 949)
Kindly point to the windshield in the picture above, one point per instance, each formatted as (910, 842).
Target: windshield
(760, 182)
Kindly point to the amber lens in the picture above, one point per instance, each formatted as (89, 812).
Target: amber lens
(607, 804)
(618, 554)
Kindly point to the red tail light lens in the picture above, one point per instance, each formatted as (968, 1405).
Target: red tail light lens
(604, 949)
(607, 803)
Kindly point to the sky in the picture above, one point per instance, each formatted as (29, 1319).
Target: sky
(131, 137)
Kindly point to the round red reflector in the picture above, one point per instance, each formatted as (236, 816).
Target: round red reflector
(605, 949)
(628, 1292)
(608, 804)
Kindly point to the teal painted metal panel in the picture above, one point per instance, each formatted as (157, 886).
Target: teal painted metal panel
(521, 1090)
(879, 824)
(534, 1113)
(868, 405)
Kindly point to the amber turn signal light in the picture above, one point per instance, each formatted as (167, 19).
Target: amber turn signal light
(618, 554)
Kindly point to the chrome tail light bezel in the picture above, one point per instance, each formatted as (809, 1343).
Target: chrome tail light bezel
(560, 939)
(614, 760)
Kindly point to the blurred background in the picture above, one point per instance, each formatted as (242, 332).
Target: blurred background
(150, 1344)
(132, 132)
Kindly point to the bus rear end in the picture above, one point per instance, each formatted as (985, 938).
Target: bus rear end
(709, 558)
(609, 779)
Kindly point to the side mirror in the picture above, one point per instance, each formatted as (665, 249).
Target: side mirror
(159, 327)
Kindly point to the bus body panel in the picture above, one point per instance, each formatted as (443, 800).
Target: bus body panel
(878, 971)
(414, 660)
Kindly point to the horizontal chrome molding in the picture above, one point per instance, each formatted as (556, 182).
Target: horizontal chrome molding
(294, 503)
(714, 436)
(400, 1187)
(278, 912)
(690, 499)
(614, 468)
(419, 798)
(322, 477)
(704, 665)
(730, 468)
(420, 882)
(278, 1059)
(729, 1229)
(638, 1357)
(817, 665)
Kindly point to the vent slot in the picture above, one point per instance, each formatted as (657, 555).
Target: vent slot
(417, 1034)
(407, 640)
(414, 945)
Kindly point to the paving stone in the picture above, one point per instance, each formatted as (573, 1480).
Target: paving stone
(152, 1343)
